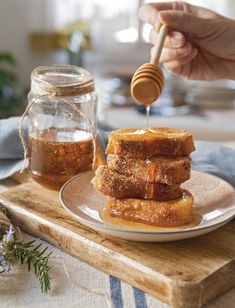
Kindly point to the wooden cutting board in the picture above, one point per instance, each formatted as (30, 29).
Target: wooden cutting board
(185, 274)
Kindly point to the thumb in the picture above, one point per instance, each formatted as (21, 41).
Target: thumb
(184, 22)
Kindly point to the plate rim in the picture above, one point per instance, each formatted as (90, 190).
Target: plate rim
(142, 232)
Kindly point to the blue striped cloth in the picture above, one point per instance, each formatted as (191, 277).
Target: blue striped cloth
(116, 294)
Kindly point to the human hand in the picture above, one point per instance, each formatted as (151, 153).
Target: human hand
(200, 43)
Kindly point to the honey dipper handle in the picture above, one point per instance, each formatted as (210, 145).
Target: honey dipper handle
(157, 49)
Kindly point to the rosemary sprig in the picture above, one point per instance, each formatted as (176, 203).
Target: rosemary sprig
(13, 250)
(25, 252)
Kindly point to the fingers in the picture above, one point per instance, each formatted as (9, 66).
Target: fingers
(179, 66)
(181, 21)
(180, 16)
(173, 54)
(149, 12)
(173, 39)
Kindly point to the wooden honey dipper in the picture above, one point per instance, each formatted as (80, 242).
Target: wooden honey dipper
(148, 81)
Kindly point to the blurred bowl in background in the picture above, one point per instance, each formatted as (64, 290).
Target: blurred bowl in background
(211, 94)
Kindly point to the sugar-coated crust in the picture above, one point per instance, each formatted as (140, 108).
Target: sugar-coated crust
(144, 143)
(113, 184)
(163, 214)
(160, 169)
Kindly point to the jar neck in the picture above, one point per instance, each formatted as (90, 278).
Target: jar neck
(43, 88)
(61, 81)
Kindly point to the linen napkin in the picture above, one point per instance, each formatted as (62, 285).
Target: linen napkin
(215, 159)
(11, 150)
(209, 157)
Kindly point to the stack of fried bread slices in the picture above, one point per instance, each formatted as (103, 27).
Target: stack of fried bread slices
(144, 171)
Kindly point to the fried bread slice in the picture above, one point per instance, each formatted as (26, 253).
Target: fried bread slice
(145, 143)
(172, 213)
(113, 184)
(160, 169)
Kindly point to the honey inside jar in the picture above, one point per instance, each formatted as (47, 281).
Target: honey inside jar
(57, 155)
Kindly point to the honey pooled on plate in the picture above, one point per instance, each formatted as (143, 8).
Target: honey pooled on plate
(170, 213)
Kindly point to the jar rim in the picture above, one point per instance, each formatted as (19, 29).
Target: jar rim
(61, 80)
(61, 75)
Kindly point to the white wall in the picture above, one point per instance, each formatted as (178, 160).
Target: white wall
(20, 17)
(17, 19)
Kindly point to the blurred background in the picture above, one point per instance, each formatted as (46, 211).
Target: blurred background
(106, 38)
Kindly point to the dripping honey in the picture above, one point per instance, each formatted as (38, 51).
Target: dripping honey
(147, 115)
(56, 155)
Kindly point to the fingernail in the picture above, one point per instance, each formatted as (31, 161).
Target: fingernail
(195, 52)
(176, 38)
(185, 50)
(166, 16)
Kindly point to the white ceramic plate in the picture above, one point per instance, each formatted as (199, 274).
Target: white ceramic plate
(214, 204)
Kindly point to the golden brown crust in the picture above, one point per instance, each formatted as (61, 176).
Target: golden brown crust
(144, 143)
(113, 184)
(160, 169)
(163, 214)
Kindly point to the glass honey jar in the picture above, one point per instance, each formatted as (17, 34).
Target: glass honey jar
(62, 107)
